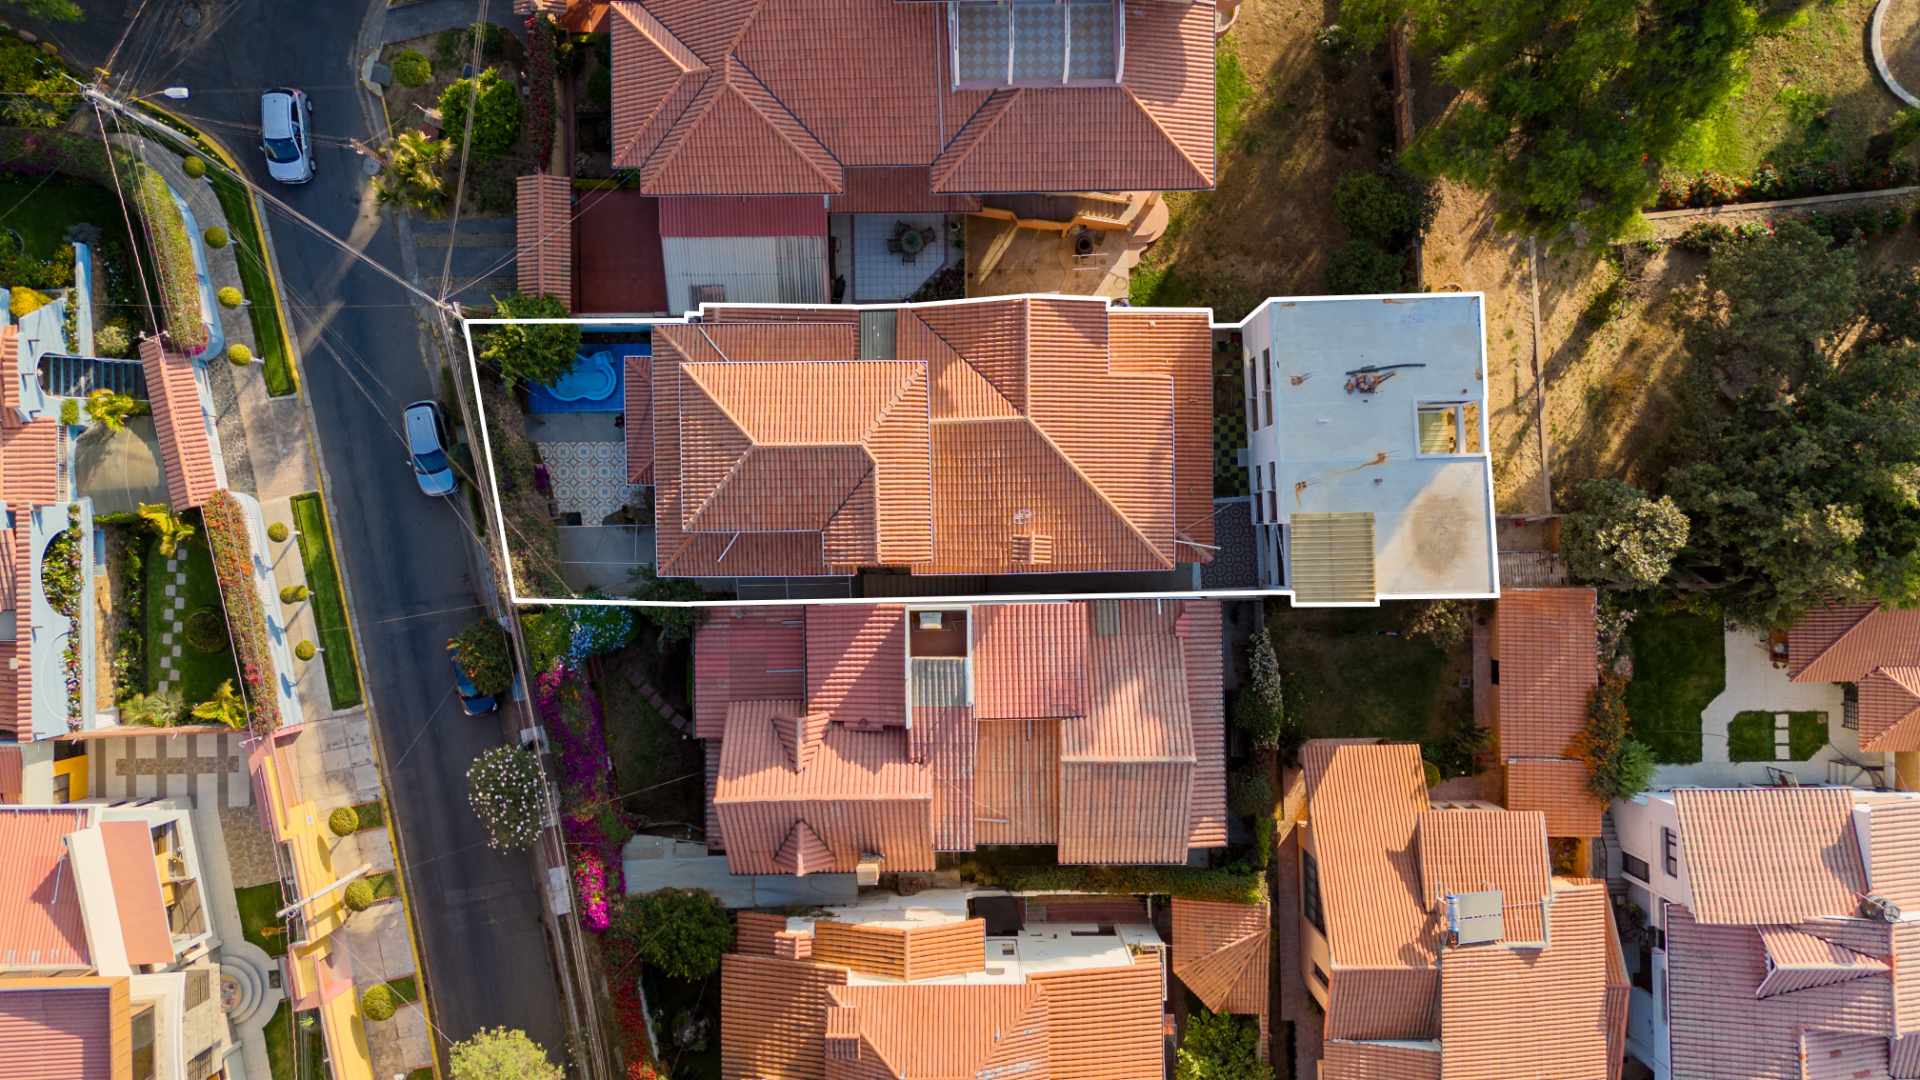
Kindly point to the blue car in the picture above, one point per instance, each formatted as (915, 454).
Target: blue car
(472, 700)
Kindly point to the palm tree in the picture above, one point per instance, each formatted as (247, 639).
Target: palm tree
(158, 709)
(111, 408)
(412, 175)
(167, 526)
(224, 707)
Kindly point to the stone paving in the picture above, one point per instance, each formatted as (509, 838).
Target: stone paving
(208, 766)
(173, 615)
(249, 847)
(290, 569)
(589, 478)
(334, 760)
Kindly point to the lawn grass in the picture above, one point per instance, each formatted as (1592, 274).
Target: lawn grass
(1750, 735)
(279, 1033)
(372, 815)
(200, 673)
(1808, 95)
(405, 988)
(1351, 672)
(1679, 667)
(386, 885)
(264, 310)
(648, 755)
(329, 605)
(257, 904)
(42, 212)
(1231, 94)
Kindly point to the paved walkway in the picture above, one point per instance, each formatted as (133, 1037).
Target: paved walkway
(242, 962)
(210, 767)
(334, 760)
(173, 613)
(290, 569)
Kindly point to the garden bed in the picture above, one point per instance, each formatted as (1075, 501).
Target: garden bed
(328, 601)
(174, 268)
(1750, 736)
(490, 181)
(1679, 667)
(263, 311)
(282, 1032)
(661, 771)
(1354, 672)
(229, 538)
(257, 904)
(199, 671)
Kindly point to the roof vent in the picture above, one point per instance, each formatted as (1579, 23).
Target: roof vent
(866, 872)
(929, 620)
(1879, 907)
(1476, 918)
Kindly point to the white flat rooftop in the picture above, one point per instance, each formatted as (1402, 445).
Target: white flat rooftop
(1338, 448)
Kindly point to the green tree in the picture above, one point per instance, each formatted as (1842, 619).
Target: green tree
(1220, 1046)
(34, 89)
(485, 655)
(1568, 108)
(167, 526)
(111, 408)
(225, 707)
(675, 624)
(1261, 708)
(50, 10)
(501, 1054)
(1388, 210)
(414, 173)
(161, 708)
(1798, 453)
(496, 113)
(531, 352)
(682, 932)
(411, 68)
(1361, 267)
(504, 788)
(1620, 536)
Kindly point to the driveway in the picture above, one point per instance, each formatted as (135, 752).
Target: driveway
(408, 559)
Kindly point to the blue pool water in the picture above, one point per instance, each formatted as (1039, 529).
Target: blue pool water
(594, 383)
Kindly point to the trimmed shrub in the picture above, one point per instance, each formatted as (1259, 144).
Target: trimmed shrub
(293, 594)
(1372, 208)
(485, 656)
(1360, 267)
(496, 113)
(1260, 709)
(193, 165)
(277, 532)
(359, 895)
(230, 296)
(113, 339)
(206, 631)
(1251, 795)
(216, 237)
(22, 301)
(70, 412)
(1220, 1046)
(173, 262)
(682, 932)
(1622, 766)
(377, 1003)
(412, 69)
(304, 651)
(344, 821)
(239, 355)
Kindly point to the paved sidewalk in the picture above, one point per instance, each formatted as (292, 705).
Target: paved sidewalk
(289, 569)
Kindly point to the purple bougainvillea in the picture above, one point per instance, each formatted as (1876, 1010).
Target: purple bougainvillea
(591, 820)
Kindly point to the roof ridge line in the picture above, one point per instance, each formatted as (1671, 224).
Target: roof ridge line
(1098, 493)
(678, 127)
(775, 128)
(1844, 635)
(1199, 173)
(962, 357)
(1012, 95)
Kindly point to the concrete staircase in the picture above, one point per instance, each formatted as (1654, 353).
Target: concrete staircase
(78, 376)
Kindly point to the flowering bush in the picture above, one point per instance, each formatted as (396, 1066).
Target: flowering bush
(503, 787)
(540, 46)
(1769, 181)
(174, 267)
(590, 885)
(598, 630)
(630, 1017)
(233, 567)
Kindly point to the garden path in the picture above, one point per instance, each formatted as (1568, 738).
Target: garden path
(173, 616)
(289, 570)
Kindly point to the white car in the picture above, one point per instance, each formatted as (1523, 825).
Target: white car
(427, 448)
(286, 135)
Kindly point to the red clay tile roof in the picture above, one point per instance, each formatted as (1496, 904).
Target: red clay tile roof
(742, 215)
(1893, 844)
(1560, 789)
(543, 212)
(136, 892)
(1876, 648)
(773, 1017)
(51, 1032)
(1770, 855)
(928, 951)
(10, 376)
(905, 189)
(637, 389)
(1516, 1014)
(777, 97)
(1222, 953)
(1464, 851)
(1797, 960)
(179, 425)
(1350, 1060)
(884, 471)
(40, 920)
(1123, 764)
(30, 463)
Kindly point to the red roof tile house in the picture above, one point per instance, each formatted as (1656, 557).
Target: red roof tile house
(1877, 650)
(926, 990)
(1222, 952)
(791, 97)
(1438, 942)
(849, 736)
(1545, 671)
(1783, 936)
(1095, 424)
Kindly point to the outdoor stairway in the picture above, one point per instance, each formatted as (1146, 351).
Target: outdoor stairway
(78, 376)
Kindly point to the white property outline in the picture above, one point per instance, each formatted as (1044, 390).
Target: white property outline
(649, 321)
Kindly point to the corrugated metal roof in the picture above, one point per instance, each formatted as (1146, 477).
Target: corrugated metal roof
(179, 426)
(543, 216)
(1770, 855)
(1331, 558)
(64, 1032)
(40, 919)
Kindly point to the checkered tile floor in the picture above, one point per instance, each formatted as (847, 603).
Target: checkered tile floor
(589, 478)
(165, 653)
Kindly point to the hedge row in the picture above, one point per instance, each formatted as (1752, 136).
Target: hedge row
(1768, 182)
(173, 260)
(1187, 882)
(233, 566)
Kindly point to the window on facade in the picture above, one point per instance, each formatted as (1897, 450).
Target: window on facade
(1266, 385)
(142, 1030)
(1253, 419)
(1669, 852)
(1449, 427)
(1273, 494)
(1320, 977)
(1635, 868)
(1258, 517)
(1310, 892)
(1035, 42)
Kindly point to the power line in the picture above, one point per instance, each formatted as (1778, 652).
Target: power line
(466, 147)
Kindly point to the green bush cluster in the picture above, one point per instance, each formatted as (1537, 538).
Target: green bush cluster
(206, 631)
(293, 594)
(70, 412)
(277, 532)
(239, 355)
(412, 69)
(682, 932)
(359, 895)
(377, 1003)
(1621, 766)
(485, 656)
(1228, 884)
(216, 237)
(230, 297)
(496, 113)
(194, 165)
(344, 821)
(22, 301)
(113, 339)
(1220, 1046)
(304, 651)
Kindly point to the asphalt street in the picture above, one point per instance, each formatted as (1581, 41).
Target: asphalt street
(406, 555)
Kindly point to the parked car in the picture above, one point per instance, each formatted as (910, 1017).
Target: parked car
(472, 700)
(426, 432)
(286, 135)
